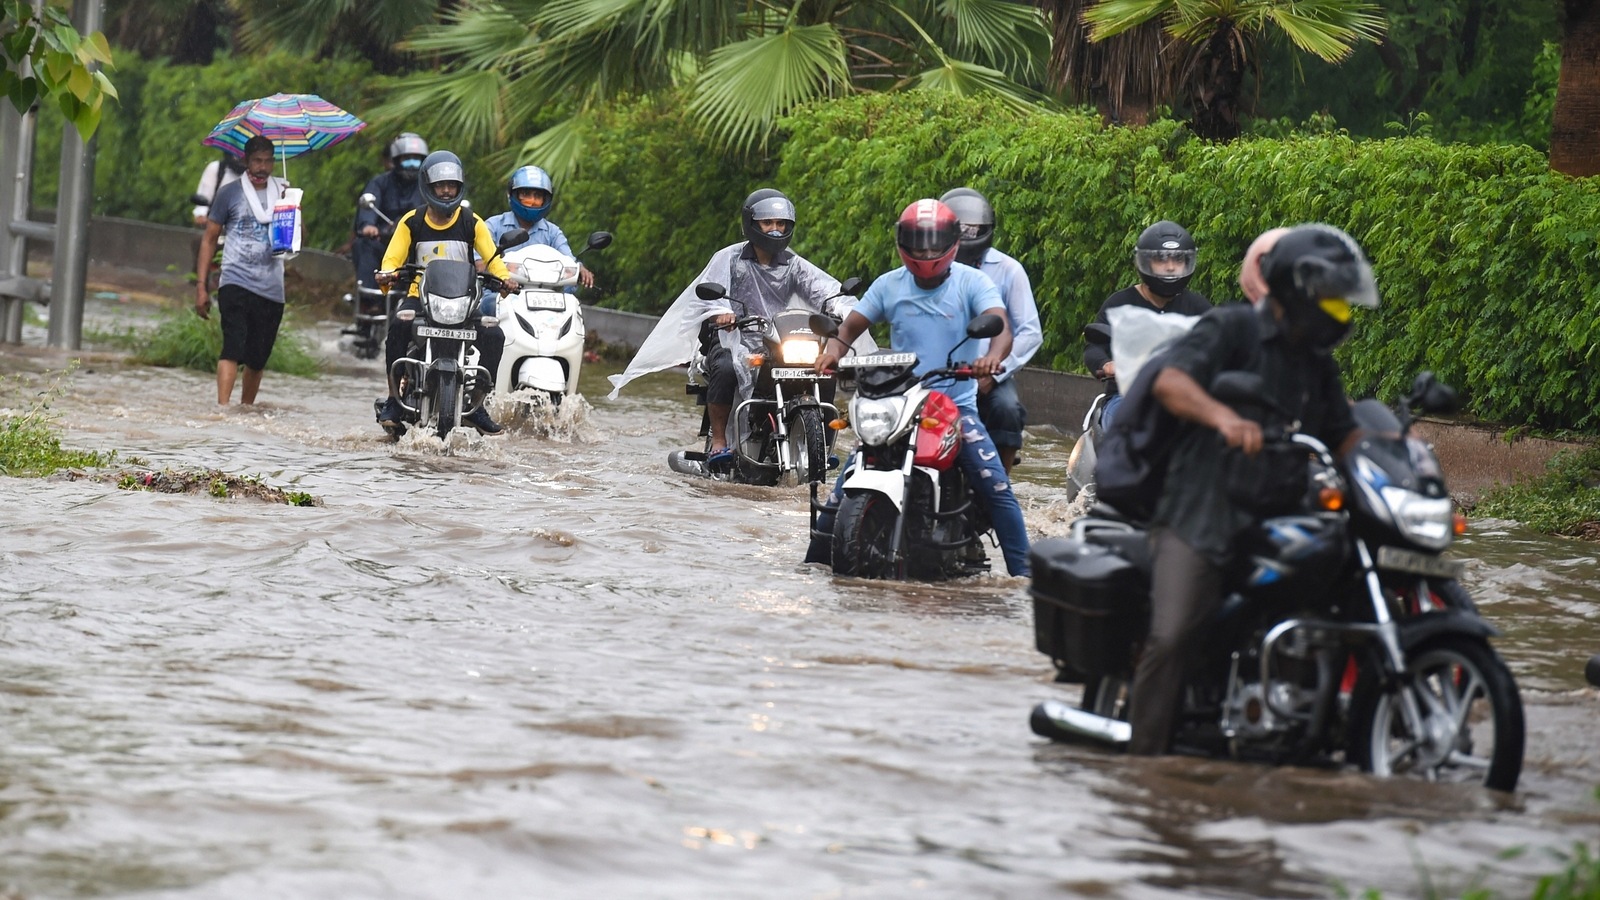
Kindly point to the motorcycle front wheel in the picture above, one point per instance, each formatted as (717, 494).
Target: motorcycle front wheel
(862, 534)
(449, 403)
(1471, 718)
(806, 445)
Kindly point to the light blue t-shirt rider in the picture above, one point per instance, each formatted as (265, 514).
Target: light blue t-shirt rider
(930, 322)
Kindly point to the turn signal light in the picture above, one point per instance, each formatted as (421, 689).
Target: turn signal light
(756, 360)
(929, 424)
(1460, 524)
(1331, 499)
(838, 424)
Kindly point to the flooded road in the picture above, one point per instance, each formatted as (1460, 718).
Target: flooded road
(541, 665)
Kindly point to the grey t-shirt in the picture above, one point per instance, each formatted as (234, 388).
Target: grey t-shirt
(247, 258)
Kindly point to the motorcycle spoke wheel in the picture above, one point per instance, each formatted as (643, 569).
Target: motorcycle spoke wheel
(1471, 724)
(807, 449)
(862, 535)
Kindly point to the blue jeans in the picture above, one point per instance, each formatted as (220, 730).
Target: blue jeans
(1003, 414)
(980, 462)
(1112, 402)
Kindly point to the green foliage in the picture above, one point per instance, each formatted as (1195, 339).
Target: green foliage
(30, 445)
(670, 197)
(63, 64)
(1487, 262)
(1565, 499)
(184, 340)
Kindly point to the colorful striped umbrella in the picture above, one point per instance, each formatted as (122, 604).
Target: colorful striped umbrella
(295, 123)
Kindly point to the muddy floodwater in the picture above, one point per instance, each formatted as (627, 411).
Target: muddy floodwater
(542, 665)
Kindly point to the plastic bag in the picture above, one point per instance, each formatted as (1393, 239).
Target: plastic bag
(1136, 334)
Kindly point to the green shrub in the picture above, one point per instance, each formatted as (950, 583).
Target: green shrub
(1563, 500)
(670, 199)
(30, 446)
(184, 340)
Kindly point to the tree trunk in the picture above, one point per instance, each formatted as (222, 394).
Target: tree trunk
(1218, 81)
(1575, 129)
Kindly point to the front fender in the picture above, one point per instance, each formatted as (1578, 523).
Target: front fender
(1416, 631)
(889, 484)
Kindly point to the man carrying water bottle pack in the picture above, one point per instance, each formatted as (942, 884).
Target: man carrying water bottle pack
(250, 291)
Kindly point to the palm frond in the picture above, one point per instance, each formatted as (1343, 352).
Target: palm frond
(1013, 36)
(463, 103)
(1112, 17)
(748, 84)
(1329, 28)
(488, 37)
(968, 79)
(559, 149)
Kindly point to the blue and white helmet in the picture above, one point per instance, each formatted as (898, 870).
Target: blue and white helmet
(441, 168)
(538, 204)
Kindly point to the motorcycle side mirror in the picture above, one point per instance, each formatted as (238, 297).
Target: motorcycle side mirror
(1097, 333)
(367, 201)
(1431, 395)
(1239, 388)
(598, 240)
(849, 287)
(986, 326)
(710, 290)
(823, 325)
(512, 238)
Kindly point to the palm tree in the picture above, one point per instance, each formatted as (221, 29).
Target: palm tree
(1576, 124)
(370, 28)
(1125, 76)
(1220, 40)
(742, 63)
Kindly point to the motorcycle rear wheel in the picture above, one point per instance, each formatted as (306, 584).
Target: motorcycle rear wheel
(806, 446)
(1472, 713)
(862, 532)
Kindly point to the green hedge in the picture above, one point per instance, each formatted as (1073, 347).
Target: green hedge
(655, 182)
(1487, 261)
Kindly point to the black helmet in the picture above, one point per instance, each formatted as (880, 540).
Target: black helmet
(977, 223)
(442, 168)
(1165, 257)
(1317, 273)
(767, 204)
(406, 153)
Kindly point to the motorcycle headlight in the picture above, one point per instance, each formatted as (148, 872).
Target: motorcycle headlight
(1429, 521)
(799, 351)
(448, 310)
(874, 420)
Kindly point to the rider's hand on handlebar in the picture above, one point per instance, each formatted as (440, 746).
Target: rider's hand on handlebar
(988, 365)
(369, 231)
(384, 279)
(509, 286)
(585, 277)
(1109, 370)
(724, 320)
(1240, 432)
(826, 361)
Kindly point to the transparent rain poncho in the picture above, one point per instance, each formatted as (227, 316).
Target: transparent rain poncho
(1136, 334)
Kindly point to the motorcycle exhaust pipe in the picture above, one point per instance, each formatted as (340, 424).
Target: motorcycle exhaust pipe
(1059, 722)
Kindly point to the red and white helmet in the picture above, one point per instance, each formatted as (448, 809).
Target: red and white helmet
(928, 235)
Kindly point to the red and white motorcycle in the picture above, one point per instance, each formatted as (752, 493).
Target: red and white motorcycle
(907, 511)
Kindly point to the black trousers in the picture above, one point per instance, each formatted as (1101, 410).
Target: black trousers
(1186, 589)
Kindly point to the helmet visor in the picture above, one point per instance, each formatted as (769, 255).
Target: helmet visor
(1165, 264)
(772, 208)
(1349, 282)
(531, 198)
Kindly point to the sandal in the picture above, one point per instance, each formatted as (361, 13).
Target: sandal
(719, 460)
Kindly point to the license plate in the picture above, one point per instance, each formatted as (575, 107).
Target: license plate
(1398, 560)
(878, 359)
(795, 375)
(458, 334)
(557, 303)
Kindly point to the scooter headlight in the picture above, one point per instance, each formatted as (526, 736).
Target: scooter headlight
(800, 351)
(874, 420)
(448, 310)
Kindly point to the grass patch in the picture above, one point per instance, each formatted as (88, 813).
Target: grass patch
(1564, 500)
(182, 339)
(30, 446)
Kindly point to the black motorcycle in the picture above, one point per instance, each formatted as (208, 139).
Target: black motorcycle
(780, 430)
(1344, 635)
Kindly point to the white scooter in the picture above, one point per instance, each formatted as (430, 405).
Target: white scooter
(543, 322)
